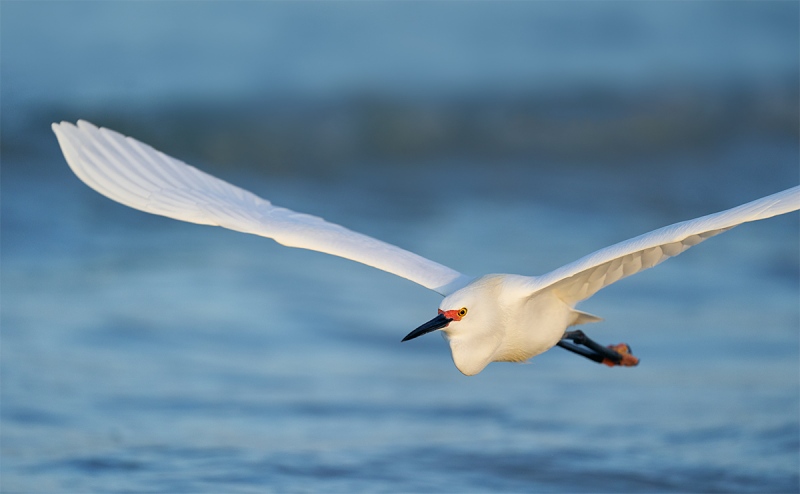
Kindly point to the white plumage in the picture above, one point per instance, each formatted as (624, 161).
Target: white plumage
(507, 317)
(135, 174)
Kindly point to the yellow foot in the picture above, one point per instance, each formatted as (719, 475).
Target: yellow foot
(627, 359)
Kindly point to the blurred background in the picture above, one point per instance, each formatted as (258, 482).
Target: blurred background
(143, 354)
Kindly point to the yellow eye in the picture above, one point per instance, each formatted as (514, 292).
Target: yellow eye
(462, 312)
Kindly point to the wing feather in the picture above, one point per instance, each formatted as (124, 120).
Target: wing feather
(136, 175)
(581, 279)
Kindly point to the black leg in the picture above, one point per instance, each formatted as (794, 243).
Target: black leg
(580, 351)
(611, 356)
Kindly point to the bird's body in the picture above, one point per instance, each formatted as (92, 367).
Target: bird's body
(492, 318)
(507, 322)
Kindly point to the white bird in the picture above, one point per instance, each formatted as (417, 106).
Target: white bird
(492, 318)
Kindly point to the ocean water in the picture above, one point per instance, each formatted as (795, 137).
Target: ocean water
(141, 354)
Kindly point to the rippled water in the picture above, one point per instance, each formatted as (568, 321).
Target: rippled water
(142, 354)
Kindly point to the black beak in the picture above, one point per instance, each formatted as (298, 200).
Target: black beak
(437, 322)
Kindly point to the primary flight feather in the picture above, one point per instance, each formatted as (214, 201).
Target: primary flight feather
(486, 319)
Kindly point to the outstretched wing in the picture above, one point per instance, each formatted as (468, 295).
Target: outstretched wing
(133, 173)
(583, 278)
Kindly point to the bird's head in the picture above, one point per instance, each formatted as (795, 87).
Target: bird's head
(471, 320)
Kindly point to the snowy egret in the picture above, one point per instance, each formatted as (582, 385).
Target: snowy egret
(492, 318)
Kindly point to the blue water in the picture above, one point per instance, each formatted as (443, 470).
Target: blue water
(140, 354)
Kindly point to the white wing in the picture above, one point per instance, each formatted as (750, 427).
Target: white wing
(135, 174)
(581, 279)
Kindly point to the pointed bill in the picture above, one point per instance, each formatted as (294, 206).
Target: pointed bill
(437, 322)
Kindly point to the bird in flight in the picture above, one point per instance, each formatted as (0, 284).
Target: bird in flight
(490, 318)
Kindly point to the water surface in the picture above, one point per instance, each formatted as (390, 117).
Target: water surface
(140, 354)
